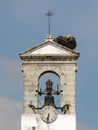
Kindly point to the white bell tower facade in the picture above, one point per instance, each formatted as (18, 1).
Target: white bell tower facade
(49, 57)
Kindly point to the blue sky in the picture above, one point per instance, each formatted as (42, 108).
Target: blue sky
(24, 25)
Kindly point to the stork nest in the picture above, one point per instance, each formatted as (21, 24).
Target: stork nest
(67, 41)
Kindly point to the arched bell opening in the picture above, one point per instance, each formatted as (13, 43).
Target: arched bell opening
(45, 79)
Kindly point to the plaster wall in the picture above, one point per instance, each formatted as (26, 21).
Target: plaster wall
(34, 122)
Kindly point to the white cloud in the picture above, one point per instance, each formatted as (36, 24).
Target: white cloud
(9, 65)
(10, 110)
(10, 114)
(81, 126)
(11, 77)
(21, 16)
(10, 68)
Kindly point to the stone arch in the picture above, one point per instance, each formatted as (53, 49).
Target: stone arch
(48, 71)
(55, 78)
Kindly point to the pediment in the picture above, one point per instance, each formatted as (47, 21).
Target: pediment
(48, 49)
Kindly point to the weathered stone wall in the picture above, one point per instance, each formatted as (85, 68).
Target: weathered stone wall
(66, 71)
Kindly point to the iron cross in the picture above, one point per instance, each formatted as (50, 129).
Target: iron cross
(49, 14)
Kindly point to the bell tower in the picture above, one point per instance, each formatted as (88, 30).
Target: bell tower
(49, 58)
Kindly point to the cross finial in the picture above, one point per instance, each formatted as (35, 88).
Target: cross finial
(49, 14)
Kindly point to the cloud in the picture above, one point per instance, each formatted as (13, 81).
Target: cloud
(10, 78)
(81, 126)
(10, 114)
(22, 21)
